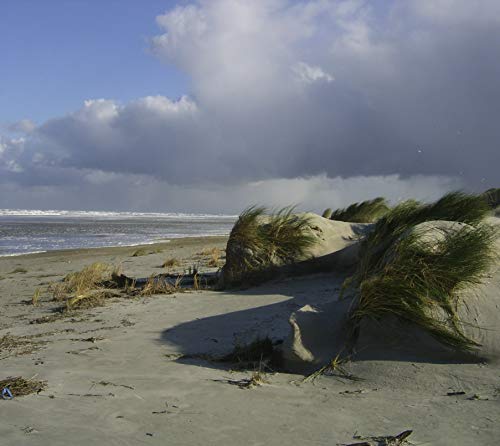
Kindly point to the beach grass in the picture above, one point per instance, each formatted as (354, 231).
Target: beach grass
(417, 278)
(327, 213)
(80, 282)
(259, 241)
(158, 285)
(171, 263)
(259, 353)
(367, 211)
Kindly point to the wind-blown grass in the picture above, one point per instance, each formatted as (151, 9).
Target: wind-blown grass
(80, 282)
(327, 213)
(417, 278)
(455, 206)
(365, 212)
(259, 241)
(492, 197)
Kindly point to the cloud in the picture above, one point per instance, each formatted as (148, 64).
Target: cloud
(23, 126)
(307, 73)
(284, 90)
(98, 190)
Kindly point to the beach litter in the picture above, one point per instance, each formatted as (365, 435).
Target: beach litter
(388, 440)
(19, 386)
(7, 394)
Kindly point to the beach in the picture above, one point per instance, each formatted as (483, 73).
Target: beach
(138, 370)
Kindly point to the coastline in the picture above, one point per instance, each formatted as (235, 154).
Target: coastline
(108, 250)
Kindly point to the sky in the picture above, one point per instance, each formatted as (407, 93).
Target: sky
(214, 105)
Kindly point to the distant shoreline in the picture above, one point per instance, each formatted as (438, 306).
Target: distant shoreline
(119, 249)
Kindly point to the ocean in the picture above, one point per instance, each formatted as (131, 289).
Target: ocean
(31, 231)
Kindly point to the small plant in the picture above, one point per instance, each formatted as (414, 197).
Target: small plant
(171, 263)
(336, 367)
(89, 278)
(89, 299)
(258, 353)
(158, 285)
(364, 212)
(257, 379)
(36, 297)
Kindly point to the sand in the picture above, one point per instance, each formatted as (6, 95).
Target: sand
(119, 375)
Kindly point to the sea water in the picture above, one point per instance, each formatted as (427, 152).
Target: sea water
(29, 231)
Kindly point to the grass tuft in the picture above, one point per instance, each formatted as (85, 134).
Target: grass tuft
(158, 285)
(365, 212)
(36, 297)
(417, 276)
(259, 241)
(81, 282)
(255, 355)
(335, 367)
(327, 213)
(171, 263)
(492, 197)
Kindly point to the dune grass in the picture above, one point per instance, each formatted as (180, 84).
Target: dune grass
(418, 279)
(492, 197)
(455, 206)
(87, 288)
(80, 282)
(327, 213)
(171, 263)
(256, 355)
(259, 241)
(365, 212)
(158, 285)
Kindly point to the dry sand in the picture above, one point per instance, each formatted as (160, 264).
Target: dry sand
(116, 376)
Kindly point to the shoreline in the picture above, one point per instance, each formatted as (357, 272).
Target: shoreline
(104, 250)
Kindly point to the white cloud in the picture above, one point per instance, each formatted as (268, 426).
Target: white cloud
(309, 74)
(23, 126)
(283, 90)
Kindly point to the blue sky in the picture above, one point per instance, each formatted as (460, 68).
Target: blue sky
(54, 54)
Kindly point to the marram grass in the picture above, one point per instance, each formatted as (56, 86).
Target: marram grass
(418, 279)
(365, 212)
(259, 241)
(455, 206)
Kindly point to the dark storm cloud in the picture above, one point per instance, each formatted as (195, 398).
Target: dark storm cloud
(287, 89)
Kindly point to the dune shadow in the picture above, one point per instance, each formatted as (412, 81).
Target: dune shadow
(247, 315)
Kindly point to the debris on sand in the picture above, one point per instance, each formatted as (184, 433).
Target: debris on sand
(20, 386)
